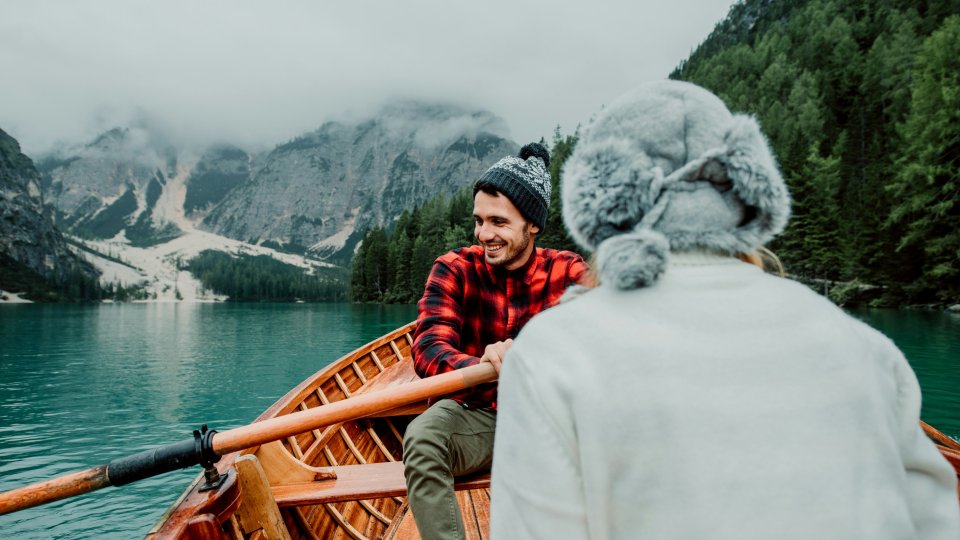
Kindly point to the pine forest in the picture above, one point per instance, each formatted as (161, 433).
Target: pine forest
(861, 103)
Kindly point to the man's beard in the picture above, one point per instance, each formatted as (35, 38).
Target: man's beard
(512, 255)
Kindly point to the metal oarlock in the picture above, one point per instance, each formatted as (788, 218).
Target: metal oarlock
(206, 457)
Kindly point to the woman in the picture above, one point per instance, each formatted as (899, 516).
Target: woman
(691, 395)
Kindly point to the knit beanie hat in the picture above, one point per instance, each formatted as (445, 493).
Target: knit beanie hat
(524, 180)
(668, 167)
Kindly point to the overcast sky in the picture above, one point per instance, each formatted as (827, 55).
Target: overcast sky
(260, 73)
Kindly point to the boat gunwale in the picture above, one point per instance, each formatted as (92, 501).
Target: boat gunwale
(284, 405)
(289, 401)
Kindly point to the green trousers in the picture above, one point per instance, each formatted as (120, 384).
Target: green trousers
(447, 440)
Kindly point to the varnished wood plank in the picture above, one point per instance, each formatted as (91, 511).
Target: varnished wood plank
(380, 516)
(295, 447)
(342, 385)
(316, 432)
(403, 526)
(332, 390)
(349, 376)
(353, 447)
(376, 360)
(203, 526)
(344, 524)
(468, 515)
(379, 442)
(396, 350)
(341, 452)
(357, 513)
(282, 468)
(356, 368)
(333, 460)
(234, 527)
(393, 429)
(370, 481)
(259, 510)
(481, 508)
(305, 525)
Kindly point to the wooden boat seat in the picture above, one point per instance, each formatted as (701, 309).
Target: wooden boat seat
(353, 482)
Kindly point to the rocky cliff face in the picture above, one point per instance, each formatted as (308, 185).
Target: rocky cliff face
(219, 170)
(112, 185)
(28, 237)
(315, 194)
(319, 192)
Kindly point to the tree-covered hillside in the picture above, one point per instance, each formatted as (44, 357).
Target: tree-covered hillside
(861, 102)
(260, 278)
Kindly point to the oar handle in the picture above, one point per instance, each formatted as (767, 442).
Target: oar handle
(187, 453)
(358, 406)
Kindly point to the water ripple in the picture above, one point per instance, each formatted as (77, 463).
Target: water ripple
(81, 385)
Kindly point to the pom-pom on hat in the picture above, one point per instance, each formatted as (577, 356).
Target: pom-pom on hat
(664, 168)
(524, 179)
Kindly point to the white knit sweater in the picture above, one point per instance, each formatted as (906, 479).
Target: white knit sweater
(720, 403)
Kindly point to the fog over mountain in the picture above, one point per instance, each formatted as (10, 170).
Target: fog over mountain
(253, 73)
(138, 206)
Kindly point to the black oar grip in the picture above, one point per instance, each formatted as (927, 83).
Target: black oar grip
(152, 462)
(164, 459)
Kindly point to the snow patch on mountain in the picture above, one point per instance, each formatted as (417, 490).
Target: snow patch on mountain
(169, 207)
(336, 241)
(157, 267)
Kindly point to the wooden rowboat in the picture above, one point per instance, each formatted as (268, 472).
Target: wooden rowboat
(341, 481)
(344, 480)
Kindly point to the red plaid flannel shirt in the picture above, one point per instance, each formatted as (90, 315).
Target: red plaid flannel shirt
(468, 304)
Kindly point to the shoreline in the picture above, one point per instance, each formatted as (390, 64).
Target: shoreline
(7, 297)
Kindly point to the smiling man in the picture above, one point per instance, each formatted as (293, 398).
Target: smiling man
(475, 302)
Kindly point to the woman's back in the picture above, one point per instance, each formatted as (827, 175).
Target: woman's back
(720, 402)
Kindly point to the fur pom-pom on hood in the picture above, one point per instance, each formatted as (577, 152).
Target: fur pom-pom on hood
(665, 168)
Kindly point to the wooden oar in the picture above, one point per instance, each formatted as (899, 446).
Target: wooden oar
(209, 446)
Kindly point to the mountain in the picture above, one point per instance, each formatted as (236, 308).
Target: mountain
(319, 192)
(34, 256)
(141, 208)
(112, 185)
(313, 195)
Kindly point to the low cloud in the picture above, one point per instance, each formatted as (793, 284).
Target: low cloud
(254, 74)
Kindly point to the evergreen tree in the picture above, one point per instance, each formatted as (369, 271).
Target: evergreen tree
(375, 264)
(358, 276)
(927, 185)
(555, 233)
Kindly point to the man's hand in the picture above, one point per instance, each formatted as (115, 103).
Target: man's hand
(495, 352)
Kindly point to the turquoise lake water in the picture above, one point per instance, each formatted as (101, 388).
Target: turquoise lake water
(81, 385)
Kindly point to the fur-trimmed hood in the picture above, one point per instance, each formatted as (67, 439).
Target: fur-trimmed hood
(665, 168)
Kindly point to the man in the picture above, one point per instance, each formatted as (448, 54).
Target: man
(476, 301)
